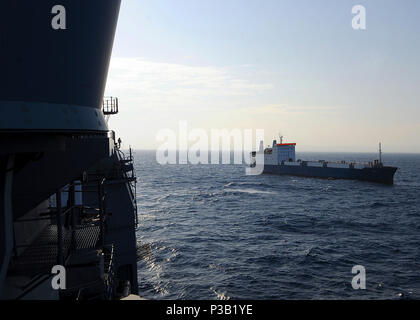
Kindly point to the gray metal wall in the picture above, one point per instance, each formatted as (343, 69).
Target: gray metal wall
(48, 78)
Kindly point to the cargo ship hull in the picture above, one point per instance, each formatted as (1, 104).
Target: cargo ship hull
(382, 174)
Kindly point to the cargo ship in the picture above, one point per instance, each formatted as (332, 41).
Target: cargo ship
(280, 159)
(68, 212)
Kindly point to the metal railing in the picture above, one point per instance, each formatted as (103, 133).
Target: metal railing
(33, 285)
(110, 105)
(132, 180)
(67, 220)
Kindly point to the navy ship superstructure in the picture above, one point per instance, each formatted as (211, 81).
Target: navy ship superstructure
(280, 159)
(67, 191)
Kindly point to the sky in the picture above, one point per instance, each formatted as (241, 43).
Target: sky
(295, 67)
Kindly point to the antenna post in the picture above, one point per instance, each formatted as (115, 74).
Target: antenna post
(380, 153)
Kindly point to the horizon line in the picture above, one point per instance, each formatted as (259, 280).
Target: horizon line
(308, 151)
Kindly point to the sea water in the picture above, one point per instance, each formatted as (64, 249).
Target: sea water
(211, 232)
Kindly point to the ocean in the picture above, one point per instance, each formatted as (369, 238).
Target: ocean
(211, 232)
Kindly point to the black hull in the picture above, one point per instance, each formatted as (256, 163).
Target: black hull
(67, 192)
(383, 175)
(54, 80)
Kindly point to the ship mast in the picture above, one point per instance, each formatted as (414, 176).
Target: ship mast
(380, 153)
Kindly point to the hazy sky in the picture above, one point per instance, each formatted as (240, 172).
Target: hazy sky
(295, 67)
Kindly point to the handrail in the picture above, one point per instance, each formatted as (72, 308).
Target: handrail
(7, 239)
(101, 204)
(133, 184)
(110, 105)
(35, 283)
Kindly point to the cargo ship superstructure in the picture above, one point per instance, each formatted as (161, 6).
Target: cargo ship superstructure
(67, 190)
(280, 159)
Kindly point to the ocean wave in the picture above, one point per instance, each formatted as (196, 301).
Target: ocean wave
(269, 237)
(220, 295)
(252, 184)
(250, 191)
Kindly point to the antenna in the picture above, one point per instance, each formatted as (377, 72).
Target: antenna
(380, 153)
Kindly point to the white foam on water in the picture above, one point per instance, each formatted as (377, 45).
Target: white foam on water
(250, 191)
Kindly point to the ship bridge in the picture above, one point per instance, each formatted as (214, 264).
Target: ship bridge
(285, 151)
(279, 152)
